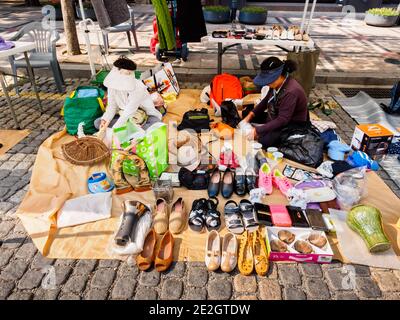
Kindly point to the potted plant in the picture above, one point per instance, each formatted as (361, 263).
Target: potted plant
(253, 15)
(57, 6)
(381, 17)
(216, 14)
(87, 9)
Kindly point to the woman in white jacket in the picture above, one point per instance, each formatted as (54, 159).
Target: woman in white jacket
(126, 95)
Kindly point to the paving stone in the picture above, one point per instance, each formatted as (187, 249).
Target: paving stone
(40, 262)
(391, 296)
(270, 289)
(123, 288)
(246, 297)
(14, 270)
(62, 273)
(84, 267)
(27, 251)
(149, 278)
(20, 295)
(311, 270)
(69, 296)
(292, 293)
(30, 280)
(197, 277)
(177, 269)
(387, 281)
(64, 262)
(5, 157)
(172, 289)
(4, 173)
(5, 228)
(246, 284)
(6, 288)
(316, 289)
(219, 290)
(8, 165)
(5, 207)
(109, 263)
(96, 294)
(5, 256)
(19, 229)
(25, 165)
(367, 288)
(289, 275)
(103, 278)
(3, 193)
(9, 181)
(145, 293)
(128, 271)
(345, 295)
(273, 271)
(17, 157)
(195, 293)
(75, 284)
(17, 197)
(43, 294)
(340, 279)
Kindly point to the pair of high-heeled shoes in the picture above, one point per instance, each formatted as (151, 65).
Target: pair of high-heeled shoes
(161, 256)
(253, 254)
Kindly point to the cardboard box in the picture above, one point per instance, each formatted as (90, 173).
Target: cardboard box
(373, 139)
(320, 255)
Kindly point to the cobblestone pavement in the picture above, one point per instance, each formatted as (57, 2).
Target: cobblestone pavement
(26, 274)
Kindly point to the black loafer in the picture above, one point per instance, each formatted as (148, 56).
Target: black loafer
(240, 182)
(251, 179)
(213, 185)
(228, 181)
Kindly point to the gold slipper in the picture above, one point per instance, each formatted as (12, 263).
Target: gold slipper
(246, 259)
(260, 254)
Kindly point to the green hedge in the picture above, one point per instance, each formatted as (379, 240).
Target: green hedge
(250, 9)
(216, 8)
(386, 12)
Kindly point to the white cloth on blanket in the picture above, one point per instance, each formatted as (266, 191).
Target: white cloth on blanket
(88, 208)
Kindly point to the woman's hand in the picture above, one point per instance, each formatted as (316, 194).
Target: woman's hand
(103, 124)
(252, 135)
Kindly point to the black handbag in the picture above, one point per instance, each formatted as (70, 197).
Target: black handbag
(196, 120)
(229, 114)
(302, 143)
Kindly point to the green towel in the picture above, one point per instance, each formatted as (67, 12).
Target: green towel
(166, 35)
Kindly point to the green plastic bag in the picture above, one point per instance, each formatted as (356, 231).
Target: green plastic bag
(151, 146)
(80, 108)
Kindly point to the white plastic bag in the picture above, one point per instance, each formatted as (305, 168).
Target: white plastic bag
(88, 208)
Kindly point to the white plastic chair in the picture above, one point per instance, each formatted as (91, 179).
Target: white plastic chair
(127, 27)
(45, 55)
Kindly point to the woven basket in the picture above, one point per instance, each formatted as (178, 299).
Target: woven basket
(85, 151)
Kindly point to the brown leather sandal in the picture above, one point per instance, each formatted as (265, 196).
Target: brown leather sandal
(165, 252)
(146, 257)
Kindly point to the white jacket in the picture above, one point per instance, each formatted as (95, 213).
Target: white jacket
(126, 103)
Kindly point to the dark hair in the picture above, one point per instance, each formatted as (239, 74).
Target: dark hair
(272, 63)
(124, 63)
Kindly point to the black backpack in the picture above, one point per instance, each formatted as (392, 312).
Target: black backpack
(196, 120)
(229, 114)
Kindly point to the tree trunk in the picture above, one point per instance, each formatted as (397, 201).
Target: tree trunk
(71, 36)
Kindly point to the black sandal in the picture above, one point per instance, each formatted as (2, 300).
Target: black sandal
(233, 219)
(213, 219)
(197, 216)
(249, 219)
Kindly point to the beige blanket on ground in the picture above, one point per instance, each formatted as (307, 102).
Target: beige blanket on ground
(54, 180)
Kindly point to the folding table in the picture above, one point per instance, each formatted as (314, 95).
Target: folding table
(20, 47)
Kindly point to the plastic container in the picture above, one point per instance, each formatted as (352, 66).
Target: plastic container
(163, 189)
